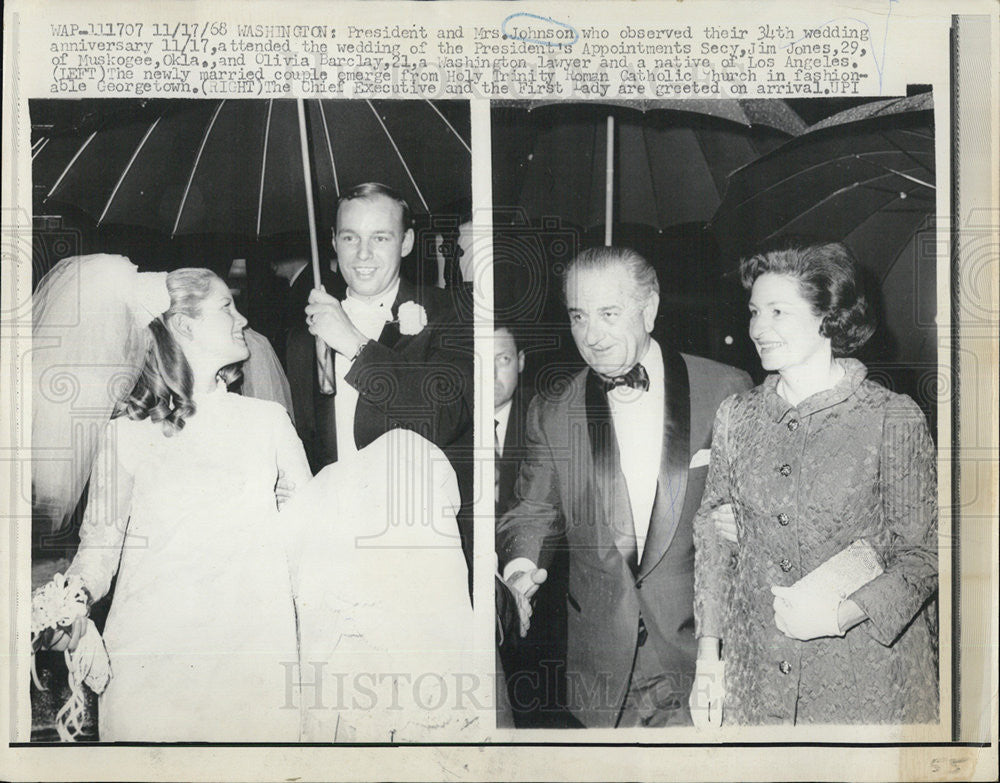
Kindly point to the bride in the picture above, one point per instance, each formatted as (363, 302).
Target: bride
(230, 620)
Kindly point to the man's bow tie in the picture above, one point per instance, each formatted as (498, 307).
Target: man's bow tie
(636, 378)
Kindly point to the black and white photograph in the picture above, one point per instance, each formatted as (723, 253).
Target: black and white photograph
(252, 410)
(752, 281)
(491, 390)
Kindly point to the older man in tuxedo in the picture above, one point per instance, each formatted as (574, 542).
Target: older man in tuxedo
(402, 357)
(617, 463)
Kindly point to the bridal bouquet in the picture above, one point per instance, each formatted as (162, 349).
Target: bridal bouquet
(56, 606)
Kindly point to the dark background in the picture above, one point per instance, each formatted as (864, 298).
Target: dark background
(703, 307)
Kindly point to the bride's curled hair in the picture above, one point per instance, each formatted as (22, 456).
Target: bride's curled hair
(164, 391)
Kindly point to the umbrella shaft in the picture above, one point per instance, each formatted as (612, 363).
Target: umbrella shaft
(609, 181)
(324, 367)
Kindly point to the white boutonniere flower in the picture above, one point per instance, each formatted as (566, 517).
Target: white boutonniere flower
(412, 318)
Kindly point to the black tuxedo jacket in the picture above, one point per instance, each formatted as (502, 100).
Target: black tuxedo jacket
(421, 382)
(571, 484)
(513, 449)
(298, 354)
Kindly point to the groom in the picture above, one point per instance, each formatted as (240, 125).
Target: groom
(402, 358)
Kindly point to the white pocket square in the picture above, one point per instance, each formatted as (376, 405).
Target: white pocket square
(700, 459)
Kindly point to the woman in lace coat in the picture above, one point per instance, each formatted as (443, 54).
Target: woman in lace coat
(815, 458)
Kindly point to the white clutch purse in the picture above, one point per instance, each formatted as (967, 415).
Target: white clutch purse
(847, 571)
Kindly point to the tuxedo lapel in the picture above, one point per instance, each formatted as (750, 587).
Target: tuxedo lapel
(674, 460)
(366, 417)
(390, 334)
(364, 414)
(607, 479)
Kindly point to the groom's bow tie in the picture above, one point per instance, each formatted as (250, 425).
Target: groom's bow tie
(636, 378)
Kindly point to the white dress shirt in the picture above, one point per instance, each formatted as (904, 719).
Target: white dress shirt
(369, 318)
(638, 420)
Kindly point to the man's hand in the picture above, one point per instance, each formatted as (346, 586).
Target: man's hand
(284, 489)
(725, 523)
(524, 585)
(328, 321)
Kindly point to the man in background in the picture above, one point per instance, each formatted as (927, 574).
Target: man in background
(535, 664)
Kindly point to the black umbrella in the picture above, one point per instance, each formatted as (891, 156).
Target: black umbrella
(235, 166)
(250, 166)
(865, 177)
(655, 163)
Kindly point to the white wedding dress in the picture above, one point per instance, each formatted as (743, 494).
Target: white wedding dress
(386, 625)
(202, 630)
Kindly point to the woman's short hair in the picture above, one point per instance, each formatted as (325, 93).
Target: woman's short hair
(164, 391)
(640, 271)
(828, 278)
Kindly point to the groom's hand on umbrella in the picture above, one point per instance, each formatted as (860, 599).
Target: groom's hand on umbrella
(328, 321)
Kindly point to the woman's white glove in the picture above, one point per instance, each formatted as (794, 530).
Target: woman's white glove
(804, 614)
(708, 693)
